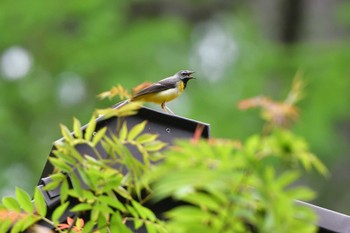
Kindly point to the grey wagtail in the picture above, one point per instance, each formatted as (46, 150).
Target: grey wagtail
(164, 90)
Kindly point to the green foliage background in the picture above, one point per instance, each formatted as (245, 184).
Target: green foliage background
(110, 42)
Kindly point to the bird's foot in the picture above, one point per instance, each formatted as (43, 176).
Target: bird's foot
(166, 109)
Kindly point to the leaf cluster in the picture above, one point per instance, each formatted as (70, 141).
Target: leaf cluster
(106, 188)
(232, 188)
(20, 213)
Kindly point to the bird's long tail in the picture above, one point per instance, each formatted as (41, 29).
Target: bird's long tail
(121, 104)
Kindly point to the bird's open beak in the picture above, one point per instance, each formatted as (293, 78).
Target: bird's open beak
(192, 72)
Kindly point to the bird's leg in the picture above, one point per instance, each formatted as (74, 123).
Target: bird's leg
(166, 109)
(163, 107)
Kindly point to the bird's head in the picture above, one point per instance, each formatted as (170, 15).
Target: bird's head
(185, 75)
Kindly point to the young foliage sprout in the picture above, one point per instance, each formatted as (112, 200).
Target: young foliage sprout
(223, 185)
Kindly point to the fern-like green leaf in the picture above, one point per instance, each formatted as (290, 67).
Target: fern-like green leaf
(81, 207)
(64, 191)
(90, 129)
(112, 201)
(117, 224)
(66, 133)
(77, 185)
(60, 164)
(99, 135)
(5, 225)
(24, 200)
(39, 203)
(136, 130)
(146, 137)
(77, 128)
(123, 132)
(11, 203)
(58, 212)
(154, 146)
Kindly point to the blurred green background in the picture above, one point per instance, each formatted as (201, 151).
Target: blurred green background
(56, 56)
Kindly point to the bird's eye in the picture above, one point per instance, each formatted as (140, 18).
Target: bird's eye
(184, 73)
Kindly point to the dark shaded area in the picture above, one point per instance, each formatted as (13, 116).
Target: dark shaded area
(292, 18)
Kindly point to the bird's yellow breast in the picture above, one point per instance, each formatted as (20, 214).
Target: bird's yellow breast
(181, 86)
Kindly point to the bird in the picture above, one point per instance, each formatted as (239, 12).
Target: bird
(164, 90)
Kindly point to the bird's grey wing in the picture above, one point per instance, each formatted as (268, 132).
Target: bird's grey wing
(154, 88)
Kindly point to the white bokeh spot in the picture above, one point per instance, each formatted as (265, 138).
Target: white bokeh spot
(214, 50)
(71, 89)
(15, 63)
